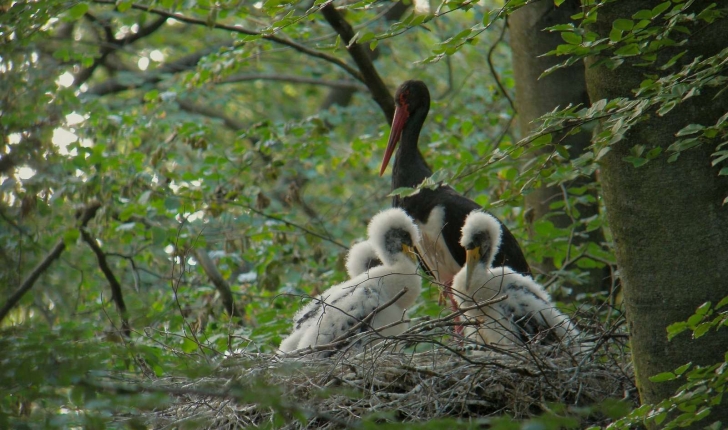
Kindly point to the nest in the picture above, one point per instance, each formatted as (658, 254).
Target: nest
(407, 378)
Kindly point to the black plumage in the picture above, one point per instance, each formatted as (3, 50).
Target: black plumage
(412, 101)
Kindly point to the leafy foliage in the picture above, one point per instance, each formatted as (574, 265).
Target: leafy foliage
(202, 125)
(703, 388)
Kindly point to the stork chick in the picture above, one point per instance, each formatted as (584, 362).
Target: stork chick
(361, 258)
(393, 236)
(526, 315)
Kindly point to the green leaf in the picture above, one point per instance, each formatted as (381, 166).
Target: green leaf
(690, 129)
(666, 107)
(675, 329)
(403, 192)
(636, 161)
(623, 24)
(704, 309)
(542, 140)
(722, 119)
(722, 303)
(367, 36)
(188, 345)
(628, 50)
(123, 5)
(660, 8)
(662, 377)
(78, 10)
(71, 236)
(694, 320)
(558, 3)
(701, 329)
(680, 370)
(615, 35)
(673, 60)
(653, 153)
(571, 38)
(721, 155)
(643, 14)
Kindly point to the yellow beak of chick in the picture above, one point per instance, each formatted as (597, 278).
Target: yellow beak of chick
(472, 256)
(409, 251)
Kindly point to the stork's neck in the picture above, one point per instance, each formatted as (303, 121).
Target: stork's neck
(410, 168)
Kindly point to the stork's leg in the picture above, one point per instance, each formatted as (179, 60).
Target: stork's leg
(446, 294)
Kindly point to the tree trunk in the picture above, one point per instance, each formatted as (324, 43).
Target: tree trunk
(668, 221)
(536, 97)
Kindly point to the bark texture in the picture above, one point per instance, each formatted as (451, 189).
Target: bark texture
(668, 221)
(536, 97)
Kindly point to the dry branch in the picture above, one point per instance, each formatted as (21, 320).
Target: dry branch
(116, 294)
(219, 282)
(443, 381)
(370, 77)
(84, 216)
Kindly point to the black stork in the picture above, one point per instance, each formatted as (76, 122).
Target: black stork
(440, 213)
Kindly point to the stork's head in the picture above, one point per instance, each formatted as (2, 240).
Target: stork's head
(394, 235)
(361, 258)
(412, 103)
(481, 237)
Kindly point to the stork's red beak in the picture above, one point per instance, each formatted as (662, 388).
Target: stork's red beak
(400, 118)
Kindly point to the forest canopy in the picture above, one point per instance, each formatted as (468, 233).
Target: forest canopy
(178, 178)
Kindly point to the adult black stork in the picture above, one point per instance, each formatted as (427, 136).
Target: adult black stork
(440, 212)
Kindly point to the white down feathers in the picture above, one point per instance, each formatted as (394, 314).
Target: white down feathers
(528, 314)
(337, 310)
(361, 257)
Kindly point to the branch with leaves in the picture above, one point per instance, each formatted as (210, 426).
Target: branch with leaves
(116, 294)
(84, 216)
(240, 30)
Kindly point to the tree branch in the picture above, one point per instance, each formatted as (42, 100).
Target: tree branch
(343, 84)
(237, 29)
(6, 163)
(113, 44)
(294, 225)
(187, 62)
(84, 216)
(370, 77)
(219, 282)
(229, 122)
(116, 294)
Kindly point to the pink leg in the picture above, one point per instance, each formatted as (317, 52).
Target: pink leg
(454, 305)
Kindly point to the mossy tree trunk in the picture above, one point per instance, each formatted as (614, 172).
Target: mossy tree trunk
(669, 225)
(536, 97)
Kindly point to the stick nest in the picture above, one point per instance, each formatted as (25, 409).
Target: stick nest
(433, 376)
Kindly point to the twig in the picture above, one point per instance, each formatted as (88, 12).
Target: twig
(369, 75)
(116, 294)
(112, 44)
(334, 344)
(220, 283)
(341, 84)
(294, 225)
(492, 67)
(238, 29)
(112, 86)
(84, 217)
